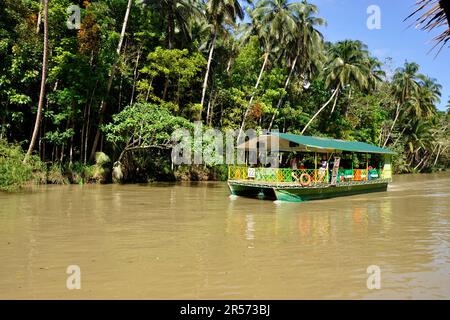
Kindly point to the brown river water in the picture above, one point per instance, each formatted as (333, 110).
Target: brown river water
(194, 241)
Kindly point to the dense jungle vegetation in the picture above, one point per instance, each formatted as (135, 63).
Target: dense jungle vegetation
(136, 70)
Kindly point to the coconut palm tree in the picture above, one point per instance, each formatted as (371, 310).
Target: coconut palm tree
(422, 104)
(37, 123)
(304, 52)
(428, 96)
(377, 74)
(418, 141)
(347, 67)
(275, 23)
(434, 14)
(179, 14)
(219, 12)
(441, 138)
(405, 88)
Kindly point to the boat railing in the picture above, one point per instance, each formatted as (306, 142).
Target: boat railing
(282, 175)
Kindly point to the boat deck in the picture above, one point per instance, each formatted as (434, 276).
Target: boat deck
(296, 185)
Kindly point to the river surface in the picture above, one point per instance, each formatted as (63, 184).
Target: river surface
(194, 241)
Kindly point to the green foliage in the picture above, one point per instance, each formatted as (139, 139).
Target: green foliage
(55, 175)
(143, 125)
(177, 68)
(13, 173)
(155, 86)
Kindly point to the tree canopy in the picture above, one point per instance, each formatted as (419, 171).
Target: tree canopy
(162, 64)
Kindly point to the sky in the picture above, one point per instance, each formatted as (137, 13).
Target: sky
(396, 39)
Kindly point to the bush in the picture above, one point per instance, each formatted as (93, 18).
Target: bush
(55, 175)
(13, 173)
(79, 173)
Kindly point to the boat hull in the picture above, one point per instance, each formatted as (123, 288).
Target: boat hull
(300, 194)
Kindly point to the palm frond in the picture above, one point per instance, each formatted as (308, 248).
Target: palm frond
(431, 15)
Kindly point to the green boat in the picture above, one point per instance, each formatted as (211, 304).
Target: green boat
(311, 168)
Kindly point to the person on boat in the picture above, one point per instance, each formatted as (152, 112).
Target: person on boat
(294, 163)
(323, 169)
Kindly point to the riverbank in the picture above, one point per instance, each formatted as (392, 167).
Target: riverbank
(15, 174)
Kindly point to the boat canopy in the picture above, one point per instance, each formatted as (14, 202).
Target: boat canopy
(291, 142)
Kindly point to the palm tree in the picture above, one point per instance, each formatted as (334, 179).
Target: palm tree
(348, 66)
(37, 123)
(275, 23)
(377, 74)
(405, 87)
(428, 96)
(440, 135)
(179, 14)
(448, 106)
(306, 47)
(418, 141)
(421, 105)
(219, 12)
(436, 15)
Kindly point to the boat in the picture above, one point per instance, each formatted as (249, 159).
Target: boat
(327, 168)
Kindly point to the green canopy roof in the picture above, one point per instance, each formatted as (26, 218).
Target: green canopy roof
(332, 144)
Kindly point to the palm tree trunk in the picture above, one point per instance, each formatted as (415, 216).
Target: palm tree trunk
(335, 94)
(207, 109)
(335, 102)
(42, 92)
(401, 133)
(437, 156)
(135, 75)
(266, 58)
(110, 80)
(148, 90)
(231, 57)
(211, 102)
(397, 113)
(284, 88)
(421, 161)
(71, 151)
(170, 24)
(86, 137)
(39, 18)
(208, 67)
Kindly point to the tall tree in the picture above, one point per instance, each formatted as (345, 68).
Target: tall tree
(305, 48)
(274, 22)
(405, 86)
(103, 104)
(219, 12)
(347, 67)
(37, 123)
(429, 96)
(178, 14)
